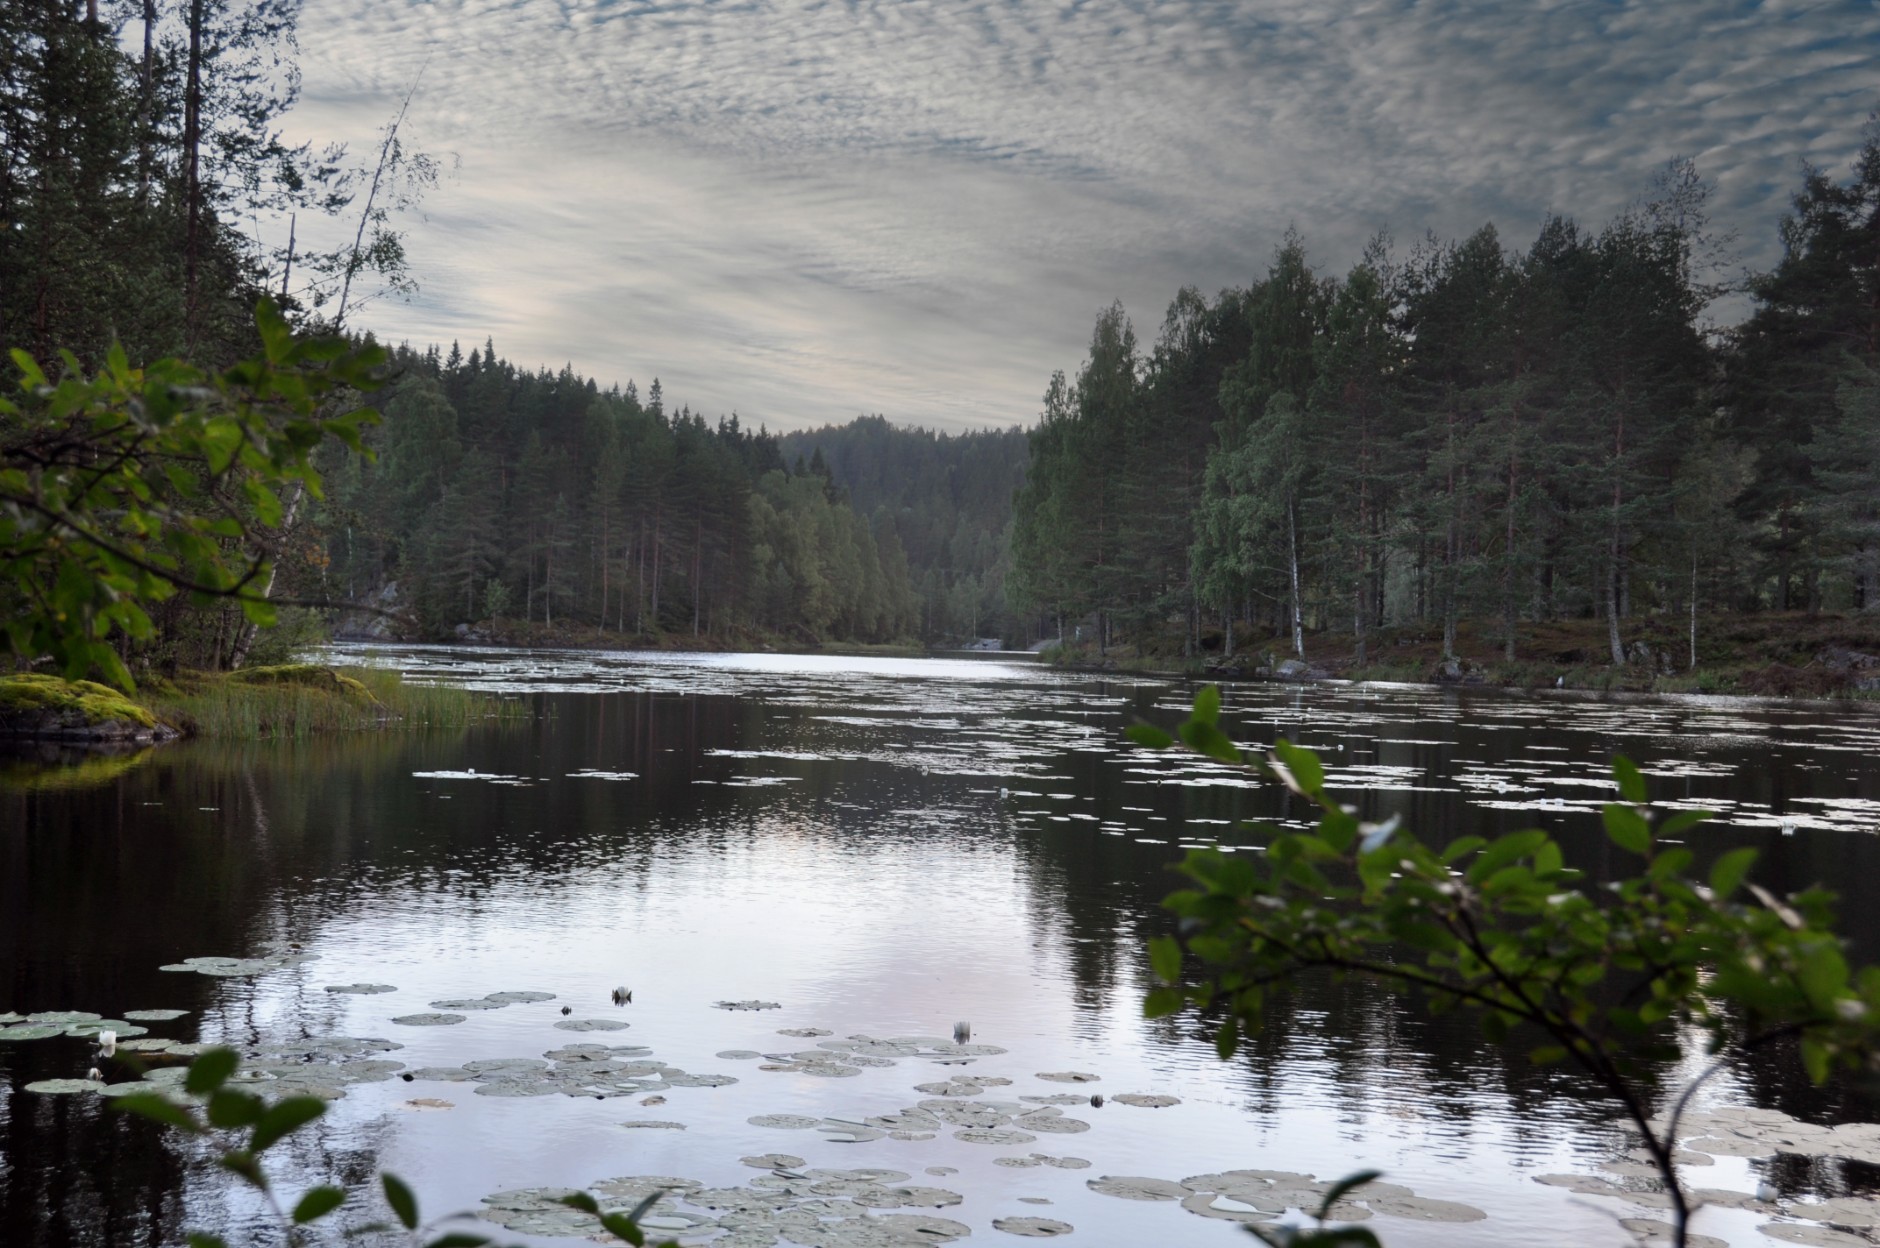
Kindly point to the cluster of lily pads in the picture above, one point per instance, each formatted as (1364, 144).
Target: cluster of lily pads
(445, 1013)
(821, 1208)
(827, 1208)
(1750, 1132)
(1266, 1195)
(273, 958)
(837, 1059)
(80, 1024)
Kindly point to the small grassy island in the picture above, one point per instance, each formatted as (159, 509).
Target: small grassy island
(287, 700)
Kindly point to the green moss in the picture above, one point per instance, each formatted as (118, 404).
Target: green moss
(97, 704)
(311, 675)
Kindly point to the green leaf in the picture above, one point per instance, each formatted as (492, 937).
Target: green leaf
(459, 1239)
(1547, 1054)
(1631, 784)
(1208, 705)
(1684, 821)
(1165, 956)
(1349, 1183)
(317, 1203)
(1226, 1039)
(1149, 736)
(1728, 872)
(202, 1239)
(284, 1116)
(210, 1071)
(158, 1108)
(1301, 765)
(228, 1108)
(582, 1201)
(1161, 1002)
(619, 1224)
(1627, 828)
(1815, 1059)
(1205, 738)
(399, 1197)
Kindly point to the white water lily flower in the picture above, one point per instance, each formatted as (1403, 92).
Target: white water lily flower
(107, 1043)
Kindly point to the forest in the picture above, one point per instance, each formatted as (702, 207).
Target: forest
(1474, 431)
(149, 200)
(1455, 434)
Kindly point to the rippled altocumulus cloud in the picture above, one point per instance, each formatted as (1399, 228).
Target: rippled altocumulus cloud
(804, 209)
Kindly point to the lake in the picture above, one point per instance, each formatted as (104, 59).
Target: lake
(879, 848)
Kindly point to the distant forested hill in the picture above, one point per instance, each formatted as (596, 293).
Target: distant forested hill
(504, 494)
(947, 497)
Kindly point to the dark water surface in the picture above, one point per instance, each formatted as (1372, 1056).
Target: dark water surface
(883, 847)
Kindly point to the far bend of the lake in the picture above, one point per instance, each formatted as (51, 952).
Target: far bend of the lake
(882, 848)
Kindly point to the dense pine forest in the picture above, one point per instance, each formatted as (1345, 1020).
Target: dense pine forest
(1477, 432)
(500, 494)
(1459, 435)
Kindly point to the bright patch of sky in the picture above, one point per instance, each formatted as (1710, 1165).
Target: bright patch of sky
(804, 210)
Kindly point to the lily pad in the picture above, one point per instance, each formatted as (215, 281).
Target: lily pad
(1135, 1187)
(426, 1103)
(773, 1161)
(467, 1003)
(8, 1016)
(153, 1016)
(57, 1087)
(519, 998)
(125, 1031)
(440, 1074)
(1033, 1228)
(1142, 1100)
(654, 1124)
(63, 1017)
(740, 1055)
(1002, 1136)
(1424, 1209)
(154, 1044)
(32, 1031)
(592, 1024)
(1226, 1208)
(356, 989)
(801, 1033)
(123, 1089)
(428, 1020)
(1818, 1236)
(785, 1122)
(1053, 1124)
(746, 1005)
(1069, 1076)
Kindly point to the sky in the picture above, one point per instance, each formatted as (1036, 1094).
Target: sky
(805, 210)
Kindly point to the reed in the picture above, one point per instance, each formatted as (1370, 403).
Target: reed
(301, 700)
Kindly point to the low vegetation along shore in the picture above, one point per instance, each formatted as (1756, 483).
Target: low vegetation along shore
(289, 700)
(1767, 655)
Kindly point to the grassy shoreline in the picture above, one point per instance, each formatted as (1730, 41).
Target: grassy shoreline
(289, 701)
(1774, 655)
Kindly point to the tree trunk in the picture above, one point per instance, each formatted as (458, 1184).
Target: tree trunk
(656, 520)
(1693, 608)
(147, 99)
(192, 174)
(246, 630)
(1298, 620)
(1508, 559)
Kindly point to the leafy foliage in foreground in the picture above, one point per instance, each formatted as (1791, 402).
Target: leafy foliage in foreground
(121, 488)
(1604, 972)
(245, 1126)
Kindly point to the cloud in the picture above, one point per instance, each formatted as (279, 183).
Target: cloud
(806, 209)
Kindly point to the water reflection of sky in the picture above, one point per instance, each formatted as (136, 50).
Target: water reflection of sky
(883, 846)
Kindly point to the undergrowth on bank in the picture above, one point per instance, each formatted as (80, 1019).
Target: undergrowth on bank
(302, 699)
